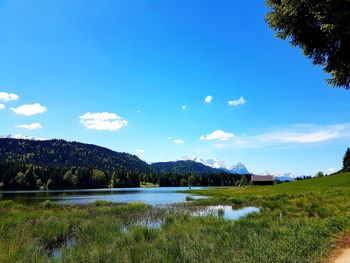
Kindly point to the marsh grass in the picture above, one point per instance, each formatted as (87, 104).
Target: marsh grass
(298, 223)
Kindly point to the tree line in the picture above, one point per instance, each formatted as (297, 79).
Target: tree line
(19, 176)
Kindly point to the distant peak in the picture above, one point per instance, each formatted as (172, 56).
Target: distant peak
(217, 164)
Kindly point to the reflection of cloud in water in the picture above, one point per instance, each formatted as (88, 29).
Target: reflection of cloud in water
(226, 212)
(154, 218)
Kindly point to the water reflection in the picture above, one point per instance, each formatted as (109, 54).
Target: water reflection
(152, 196)
(156, 216)
(226, 212)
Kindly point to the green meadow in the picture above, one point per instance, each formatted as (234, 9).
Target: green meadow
(299, 222)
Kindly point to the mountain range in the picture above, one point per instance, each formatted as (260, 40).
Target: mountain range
(75, 154)
(216, 163)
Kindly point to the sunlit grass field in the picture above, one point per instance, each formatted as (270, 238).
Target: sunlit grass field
(299, 222)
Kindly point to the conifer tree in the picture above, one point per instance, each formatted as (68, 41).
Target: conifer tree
(346, 161)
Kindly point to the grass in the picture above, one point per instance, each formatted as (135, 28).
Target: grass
(299, 222)
(146, 185)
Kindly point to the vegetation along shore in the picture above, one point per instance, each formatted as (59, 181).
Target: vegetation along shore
(299, 222)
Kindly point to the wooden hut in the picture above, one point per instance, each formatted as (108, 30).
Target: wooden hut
(263, 180)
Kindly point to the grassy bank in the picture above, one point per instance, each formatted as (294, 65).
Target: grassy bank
(298, 223)
(148, 185)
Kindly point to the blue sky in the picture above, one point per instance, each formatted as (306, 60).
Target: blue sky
(118, 73)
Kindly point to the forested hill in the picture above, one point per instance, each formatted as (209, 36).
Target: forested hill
(58, 164)
(185, 167)
(69, 154)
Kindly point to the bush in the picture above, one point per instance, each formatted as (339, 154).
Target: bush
(7, 203)
(48, 204)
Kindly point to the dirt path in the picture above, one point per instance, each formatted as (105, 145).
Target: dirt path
(341, 253)
(343, 257)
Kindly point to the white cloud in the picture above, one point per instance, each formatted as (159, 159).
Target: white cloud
(29, 109)
(4, 96)
(2, 106)
(240, 101)
(292, 135)
(184, 107)
(140, 150)
(218, 135)
(179, 141)
(102, 121)
(208, 99)
(32, 126)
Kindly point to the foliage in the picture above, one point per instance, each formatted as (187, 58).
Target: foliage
(57, 164)
(18, 176)
(319, 174)
(299, 222)
(221, 179)
(346, 161)
(185, 167)
(54, 153)
(321, 28)
(192, 180)
(183, 182)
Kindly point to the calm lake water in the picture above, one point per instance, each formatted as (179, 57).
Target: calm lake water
(152, 196)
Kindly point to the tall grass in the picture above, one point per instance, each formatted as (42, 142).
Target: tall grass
(298, 223)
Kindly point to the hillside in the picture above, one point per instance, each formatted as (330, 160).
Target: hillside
(185, 167)
(337, 182)
(340, 180)
(68, 154)
(58, 164)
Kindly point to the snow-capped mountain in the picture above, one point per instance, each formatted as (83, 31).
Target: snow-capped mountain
(22, 137)
(239, 168)
(285, 177)
(192, 158)
(218, 164)
(281, 177)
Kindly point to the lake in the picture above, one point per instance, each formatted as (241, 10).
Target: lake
(152, 196)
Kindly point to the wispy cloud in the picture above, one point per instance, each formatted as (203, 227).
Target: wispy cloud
(178, 141)
(240, 101)
(32, 126)
(102, 121)
(2, 106)
(208, 99)
(295, 134)
(140, 150)
(29, 109)
(217, 135)
(298, 137)
(4, 96)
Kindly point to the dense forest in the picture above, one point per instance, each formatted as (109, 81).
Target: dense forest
(57, 164)
(18, 176)
(69, 154)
